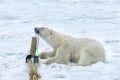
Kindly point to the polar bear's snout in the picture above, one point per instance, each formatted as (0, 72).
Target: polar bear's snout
(38, 30)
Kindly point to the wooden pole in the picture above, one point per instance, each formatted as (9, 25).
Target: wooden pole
(33, 68)
(33, 46)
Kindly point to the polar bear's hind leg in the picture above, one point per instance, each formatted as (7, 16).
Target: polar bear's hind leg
(87, 58)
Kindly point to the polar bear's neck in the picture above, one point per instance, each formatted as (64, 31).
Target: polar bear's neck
(56, 40)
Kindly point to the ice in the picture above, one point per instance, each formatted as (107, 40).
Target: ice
(98, 19)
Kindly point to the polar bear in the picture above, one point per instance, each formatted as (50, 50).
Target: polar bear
(83, 51)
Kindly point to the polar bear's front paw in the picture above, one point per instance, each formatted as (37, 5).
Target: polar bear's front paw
(43, 55)
(48, 62)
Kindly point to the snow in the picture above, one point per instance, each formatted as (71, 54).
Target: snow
(99, 19)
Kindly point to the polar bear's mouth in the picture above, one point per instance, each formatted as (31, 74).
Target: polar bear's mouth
(37, 30)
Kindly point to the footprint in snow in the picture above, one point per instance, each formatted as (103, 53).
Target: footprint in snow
(59, 76)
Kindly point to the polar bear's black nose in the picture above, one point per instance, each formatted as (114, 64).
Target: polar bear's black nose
(38, 30)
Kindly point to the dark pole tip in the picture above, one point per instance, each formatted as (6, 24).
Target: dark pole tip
(28, 58)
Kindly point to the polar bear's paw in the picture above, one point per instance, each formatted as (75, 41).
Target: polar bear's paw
(43, 55)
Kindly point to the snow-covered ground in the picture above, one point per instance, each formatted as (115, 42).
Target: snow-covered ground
(99, 19)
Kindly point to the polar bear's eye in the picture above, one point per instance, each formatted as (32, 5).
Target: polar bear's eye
(51, 33)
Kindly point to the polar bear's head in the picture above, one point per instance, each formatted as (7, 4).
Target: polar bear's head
(51, 37)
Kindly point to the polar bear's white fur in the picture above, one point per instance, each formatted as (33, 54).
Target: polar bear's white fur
(83, 51)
